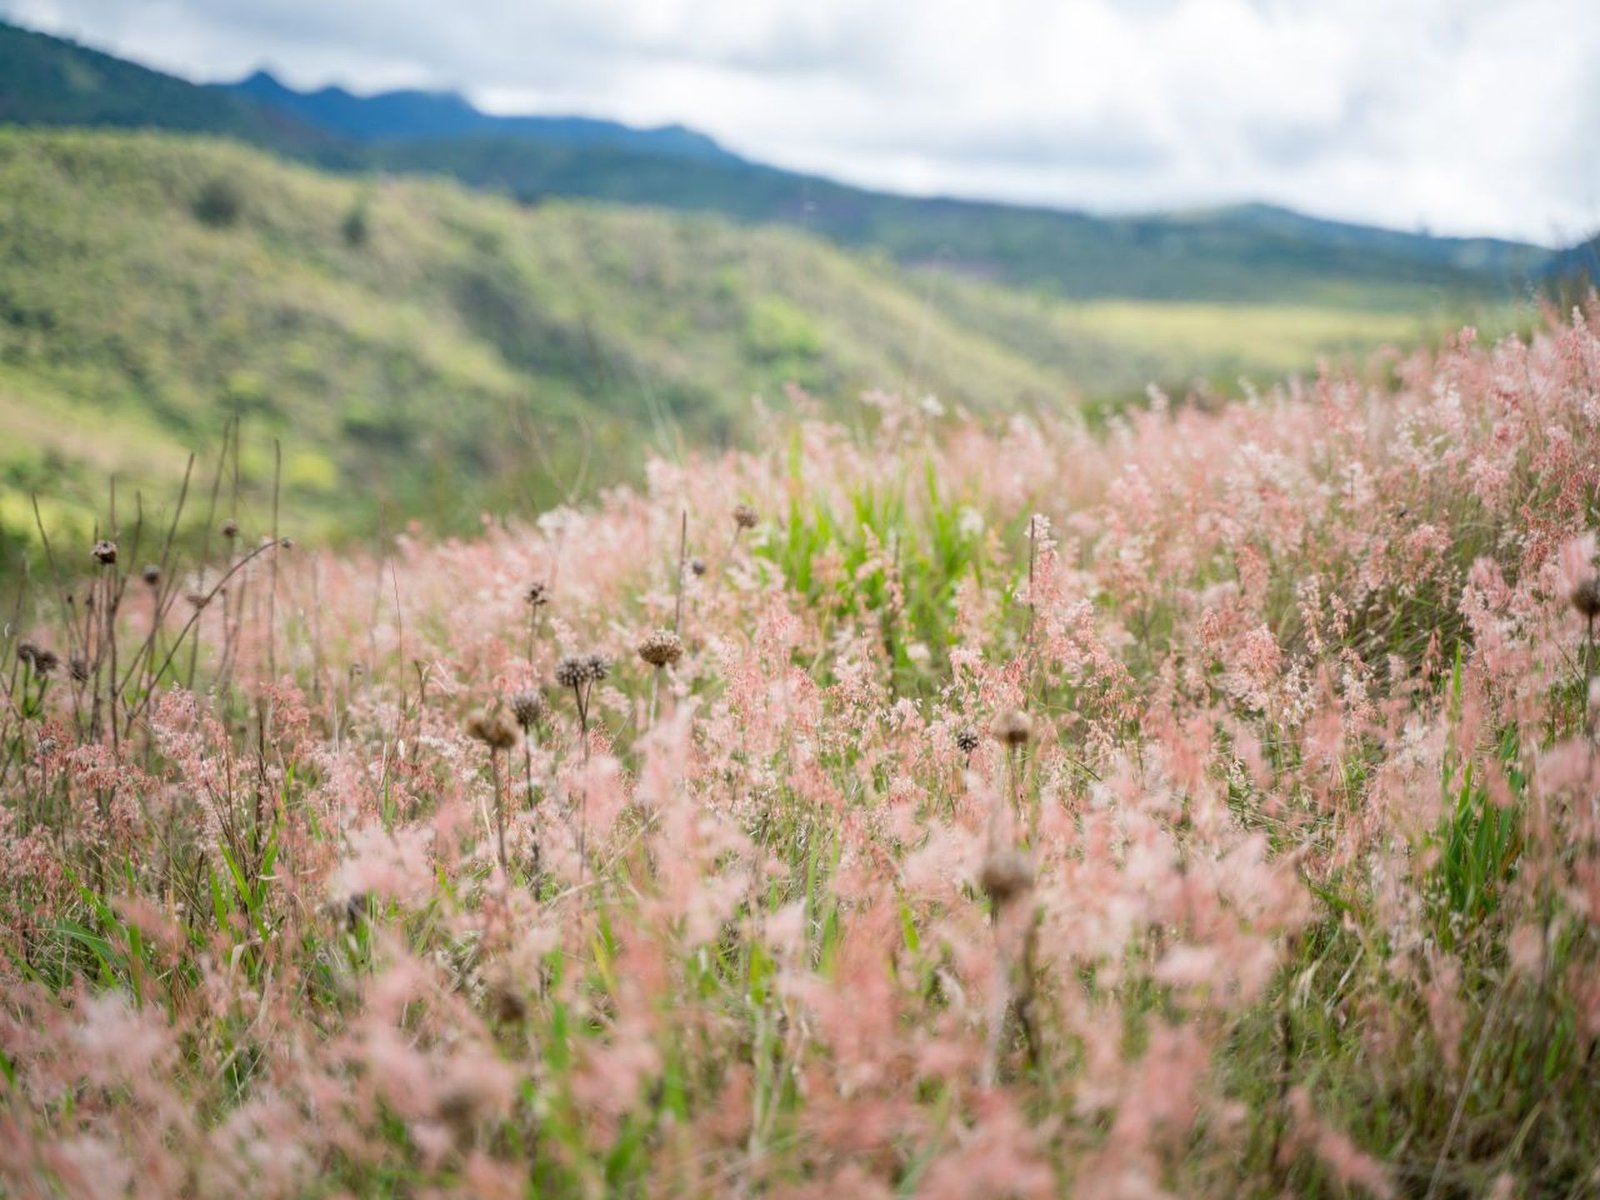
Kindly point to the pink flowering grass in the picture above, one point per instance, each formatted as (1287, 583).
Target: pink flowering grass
(1203, 806)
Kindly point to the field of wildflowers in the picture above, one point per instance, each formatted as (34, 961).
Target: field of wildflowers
(1202, 807)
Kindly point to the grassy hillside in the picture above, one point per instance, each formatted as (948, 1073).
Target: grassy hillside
(421, 350)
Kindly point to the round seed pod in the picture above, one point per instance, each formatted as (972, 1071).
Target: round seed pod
(1006, 876)
(1012, 727)
(494, 730)
(661, 648)
(1586, 597)
(527, 706)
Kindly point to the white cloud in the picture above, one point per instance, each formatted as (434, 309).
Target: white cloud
(1472, 116)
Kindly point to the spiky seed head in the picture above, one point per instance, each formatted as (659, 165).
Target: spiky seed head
(1012, 727)
(493, 729)
(27, 652)
(46, 661)
(105, 552)
(572, 671)
(661, 648)
(151, 574)
(537, 594)
(697, 566)
(527, 706)
(967, 739)
(597, 665)
(230, 529)
(1586, 597)
(1006, 876)
(744, 516)
(78, 669)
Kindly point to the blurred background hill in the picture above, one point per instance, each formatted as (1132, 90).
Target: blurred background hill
(439, 311)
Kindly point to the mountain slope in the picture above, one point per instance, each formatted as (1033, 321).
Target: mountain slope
(430, 363)
(422, 350)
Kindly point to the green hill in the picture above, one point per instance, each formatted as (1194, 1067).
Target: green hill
(422, 350)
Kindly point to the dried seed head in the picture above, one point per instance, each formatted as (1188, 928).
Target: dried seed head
(744, 516)
(198, 599)
(697, 566)
(494, 730)
(1006, 875)
(230, 529)
(506, 997)
(572, 671)
(27, 651)
(661, 648)
(1012, 727)
(527, 706)
(1586, 597)
(78, 669)
(537, 595)
(597, 666)
(46, 661)
(967, 739)
(151, 574)
(105, 552)
(355, 909)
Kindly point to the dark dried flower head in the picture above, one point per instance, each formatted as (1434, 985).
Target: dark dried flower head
(230, 529)
(597, 666)
(46, 661)
(506, 997)
(698, 566)
(572, 671)
(105, 552)
(355, 909)
(1586, 597)
(1012, 727)
(1006, 875)
(151, 574)
(967, 739)
(537, 595)
(527, 706)
(494, 730)
(26, 651)
(661, 648)
(78, 669)
(744, 516)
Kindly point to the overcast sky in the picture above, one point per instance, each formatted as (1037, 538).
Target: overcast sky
(1467, 116)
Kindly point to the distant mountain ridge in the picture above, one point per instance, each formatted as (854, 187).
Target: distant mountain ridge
(424, 115)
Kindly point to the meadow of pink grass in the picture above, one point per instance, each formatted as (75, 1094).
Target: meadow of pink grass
(1202, 807)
